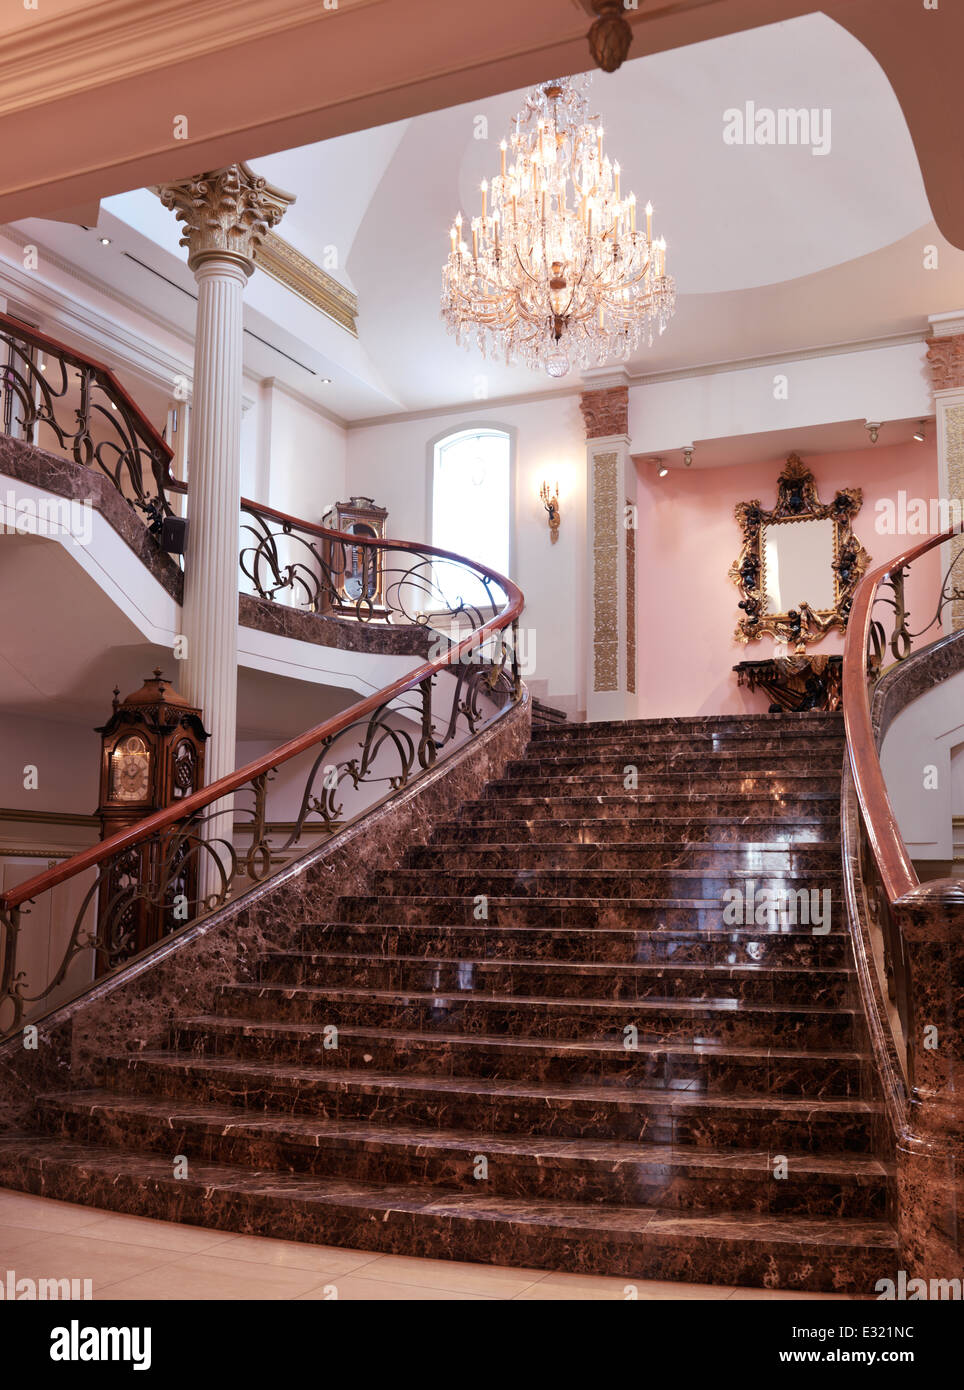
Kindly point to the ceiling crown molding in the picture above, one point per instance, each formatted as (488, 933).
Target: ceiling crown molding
(65, 56)
(279, 259)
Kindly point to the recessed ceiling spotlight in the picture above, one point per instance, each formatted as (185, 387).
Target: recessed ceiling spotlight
(919, 433)
(326, 381)
(104, 240)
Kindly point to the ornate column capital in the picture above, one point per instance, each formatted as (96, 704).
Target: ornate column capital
(606, 411)
(945, 357)
(227, 213)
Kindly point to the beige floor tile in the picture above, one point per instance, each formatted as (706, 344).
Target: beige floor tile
(79, 1256)
(207, 1277)
(160, 1235)
(459, 1276)
(784, 1295)
(13, 1237)
(352, 1288)
(291, 1254)
(42, 1213)
(587, 1286)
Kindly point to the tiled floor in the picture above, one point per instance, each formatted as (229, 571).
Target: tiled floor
(133, 1257)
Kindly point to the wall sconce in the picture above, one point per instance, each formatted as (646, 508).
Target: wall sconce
(688, 456)
(550, 500)
(873, 429)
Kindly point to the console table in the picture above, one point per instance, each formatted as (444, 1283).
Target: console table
(795, 683)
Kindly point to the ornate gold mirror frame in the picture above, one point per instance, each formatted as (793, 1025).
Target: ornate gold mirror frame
(797, 501)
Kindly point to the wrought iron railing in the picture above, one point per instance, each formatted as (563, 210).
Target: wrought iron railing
(287, 560)
(159, 876)
(53, 396)
(881, 867)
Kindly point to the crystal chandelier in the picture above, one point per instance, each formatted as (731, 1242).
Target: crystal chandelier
(557, 275)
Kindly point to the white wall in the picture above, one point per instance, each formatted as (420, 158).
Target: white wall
(886, 383)
(392, 464)
(917, 753)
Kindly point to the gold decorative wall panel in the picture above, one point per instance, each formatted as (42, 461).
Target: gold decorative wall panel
(630, 599)
(605, 575)
(954, 438)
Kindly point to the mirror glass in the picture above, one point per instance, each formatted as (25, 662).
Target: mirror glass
(797, 557)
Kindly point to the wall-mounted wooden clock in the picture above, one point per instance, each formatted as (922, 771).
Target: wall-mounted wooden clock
(152, 754)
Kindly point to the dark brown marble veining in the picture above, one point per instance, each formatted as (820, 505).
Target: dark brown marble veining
(513, 1024)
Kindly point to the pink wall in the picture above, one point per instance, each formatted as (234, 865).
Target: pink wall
(687, 540)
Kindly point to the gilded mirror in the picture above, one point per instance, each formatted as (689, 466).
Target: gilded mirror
(800, 563)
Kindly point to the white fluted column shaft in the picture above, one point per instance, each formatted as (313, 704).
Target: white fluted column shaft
(211, 565)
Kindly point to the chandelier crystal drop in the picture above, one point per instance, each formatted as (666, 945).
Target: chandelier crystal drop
(557, 274)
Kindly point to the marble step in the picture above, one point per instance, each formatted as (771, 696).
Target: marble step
(710, 1021)
(579, 739)
(611, 1171)
(668, 783)
(697, 726)
(775, 1122)
(819, 1254)
(512, 910)
(730, 946)
(754, 984)
(657, 883)
(761, 856)
(680, 830)
(518, 803)
(649, 763)
(657, 1066)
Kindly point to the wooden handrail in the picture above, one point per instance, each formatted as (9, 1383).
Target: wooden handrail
(82, 359)
(893, 862)
(330, 728)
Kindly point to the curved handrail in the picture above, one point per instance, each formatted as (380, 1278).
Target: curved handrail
(894, 864)
(320, 734)
(130, 442)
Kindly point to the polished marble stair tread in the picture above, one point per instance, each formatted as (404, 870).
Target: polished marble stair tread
(815, 1253)
(598, 967)
(265, 1075)
(504, 829)
(258, 989)
(503, 1042)
(491, 832)
(534, 1149)
(644, 969)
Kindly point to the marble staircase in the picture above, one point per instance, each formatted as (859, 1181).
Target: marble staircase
(537, 1042)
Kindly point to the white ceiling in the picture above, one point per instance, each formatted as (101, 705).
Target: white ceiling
(775, 250)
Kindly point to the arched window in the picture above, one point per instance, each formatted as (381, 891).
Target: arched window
(472, 507)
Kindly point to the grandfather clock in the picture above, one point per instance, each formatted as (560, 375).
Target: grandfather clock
(357, 571)
(152, 754)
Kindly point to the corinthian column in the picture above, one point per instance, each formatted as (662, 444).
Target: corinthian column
(226, 215)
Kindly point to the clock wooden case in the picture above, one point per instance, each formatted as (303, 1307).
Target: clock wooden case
(357, 572)
(152, 754)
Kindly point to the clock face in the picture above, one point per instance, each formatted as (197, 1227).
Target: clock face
(130, 770)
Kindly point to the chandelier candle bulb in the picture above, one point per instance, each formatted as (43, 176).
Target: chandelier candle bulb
(616, 177)
(485, 189)
(649, 220)
(502, 147)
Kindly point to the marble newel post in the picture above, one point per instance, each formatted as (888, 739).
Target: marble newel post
(611, 537)
(945, 355)
(226, 214)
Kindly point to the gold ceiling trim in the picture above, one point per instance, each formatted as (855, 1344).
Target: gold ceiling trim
(279, 259)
